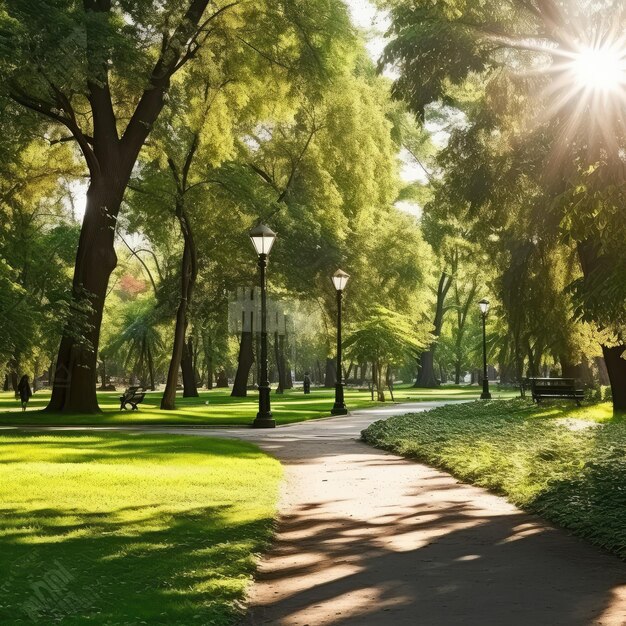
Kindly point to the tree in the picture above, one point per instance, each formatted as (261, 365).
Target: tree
(384, 338)
(103, 71)
(137, 340)
(567, 163)
(35, 244)
(60, 60)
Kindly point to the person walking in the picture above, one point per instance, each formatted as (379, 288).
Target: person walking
(23, 388)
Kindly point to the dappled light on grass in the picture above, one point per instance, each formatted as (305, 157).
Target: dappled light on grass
(217, 407)
(564, 462)
(160, 529)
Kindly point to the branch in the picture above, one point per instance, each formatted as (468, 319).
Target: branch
(263, 54)
(264, 175)
(189, 160)
(99, 93)
(53, 142)
(172, 51)
(49, 110)
(296, 164)
(136, 255)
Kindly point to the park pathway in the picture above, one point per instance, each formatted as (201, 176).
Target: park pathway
(366, 538)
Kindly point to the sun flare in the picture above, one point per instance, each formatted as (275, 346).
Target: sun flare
(600, 68)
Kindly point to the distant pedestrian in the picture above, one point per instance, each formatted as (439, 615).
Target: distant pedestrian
(307, 383)
(23, 388)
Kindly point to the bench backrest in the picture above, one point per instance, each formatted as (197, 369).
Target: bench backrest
(552, 384)
(133, 393)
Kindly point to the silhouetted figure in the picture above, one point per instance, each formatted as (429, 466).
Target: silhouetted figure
(307, 383)
(23, 388)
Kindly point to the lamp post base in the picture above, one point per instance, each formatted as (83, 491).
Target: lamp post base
(339, 408)
(485, 395)
(264, 417)
(264, 421)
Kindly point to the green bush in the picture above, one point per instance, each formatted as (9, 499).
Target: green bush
(572, 472)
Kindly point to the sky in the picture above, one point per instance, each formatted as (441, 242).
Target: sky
(366, 17)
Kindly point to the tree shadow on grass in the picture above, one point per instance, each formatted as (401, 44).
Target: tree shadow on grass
(113, 448)
(192, 568)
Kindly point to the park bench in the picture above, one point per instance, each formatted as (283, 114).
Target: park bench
(554, 388)
(132, 396)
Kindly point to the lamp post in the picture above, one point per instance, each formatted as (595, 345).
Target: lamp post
(263, 239)
(340, 279)
(484, 309)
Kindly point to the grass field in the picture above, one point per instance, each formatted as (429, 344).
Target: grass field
(130, 529)
(568, 464)
(216, 407)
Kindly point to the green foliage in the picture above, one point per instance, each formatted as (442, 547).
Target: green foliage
(384, 337)
(533, 173)
(561, 462)
(37, 239)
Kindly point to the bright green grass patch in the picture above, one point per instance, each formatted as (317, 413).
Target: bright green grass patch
(566, 463)
(216, 407)
(125, 529)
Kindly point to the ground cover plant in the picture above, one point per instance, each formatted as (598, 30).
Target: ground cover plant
(217, 407)
(145, 529)
(565, 463)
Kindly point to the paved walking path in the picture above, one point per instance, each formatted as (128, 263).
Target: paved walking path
(367, 538)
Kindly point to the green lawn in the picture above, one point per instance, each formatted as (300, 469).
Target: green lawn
(568, 464)
(216, 407)
(125, 529)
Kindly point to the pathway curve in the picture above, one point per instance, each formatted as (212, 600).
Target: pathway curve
(366, 538)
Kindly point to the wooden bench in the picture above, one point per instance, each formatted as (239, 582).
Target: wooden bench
(554, 389)
(132, 396)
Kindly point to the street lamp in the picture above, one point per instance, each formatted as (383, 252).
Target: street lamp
(484, 309)
(263, 239)
(340, 280)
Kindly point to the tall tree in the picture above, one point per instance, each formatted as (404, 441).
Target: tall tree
(91, 69)
(473, 55)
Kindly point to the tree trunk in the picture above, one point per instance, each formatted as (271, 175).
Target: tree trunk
(603, 373)
(426, 377)
(246, 360)
(330, 375)
(188, 278)
(190, 388)
(5, 387)
(346, 374)
(74, 387)
(103, 373)
(457, 373)
(616, 366)
(362, 373)
(150, 368)
(318, 371)
(110, 159)
(13, 376)
(569, 369)
(209, 371)
(279, 353)
(377, 370)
